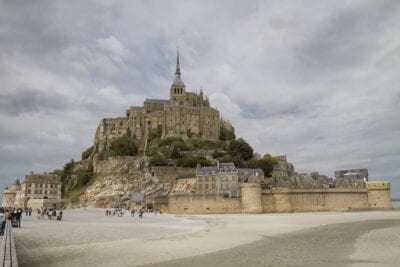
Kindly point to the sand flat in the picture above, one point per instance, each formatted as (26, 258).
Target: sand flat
(88, 238)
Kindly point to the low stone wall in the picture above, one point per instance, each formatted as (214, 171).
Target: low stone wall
(203, 204)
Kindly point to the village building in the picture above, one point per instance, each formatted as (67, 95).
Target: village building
(36, 188)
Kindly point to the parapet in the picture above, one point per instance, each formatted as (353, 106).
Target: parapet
(378, 185)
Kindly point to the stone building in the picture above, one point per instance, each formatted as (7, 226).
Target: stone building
(224, 178)
(35, 187)
(186, 114)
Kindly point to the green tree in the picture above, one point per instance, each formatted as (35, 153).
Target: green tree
(266, 164)
(191, 161)
(124, 146)
(225, 134)
(240, 148)
(175, 154)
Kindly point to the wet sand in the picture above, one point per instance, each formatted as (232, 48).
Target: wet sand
(88, 238)
(332, 245)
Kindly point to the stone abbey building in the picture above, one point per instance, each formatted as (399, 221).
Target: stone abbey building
(185, 114)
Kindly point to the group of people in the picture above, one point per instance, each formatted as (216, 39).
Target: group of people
(50, 212)
(119, 212)
(10, 214)
(143, 210)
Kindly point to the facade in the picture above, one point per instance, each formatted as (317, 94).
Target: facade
(186, 114)
(35, 187)
(224, 178)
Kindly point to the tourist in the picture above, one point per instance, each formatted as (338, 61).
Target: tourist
(30, 211)
(141, 214)
(18, 215)
(49, 214)
(5, 218)
(26, 211)
(133, 212)
(61, 214)
(1, 221)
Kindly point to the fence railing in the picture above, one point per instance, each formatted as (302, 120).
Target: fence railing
(8, 253)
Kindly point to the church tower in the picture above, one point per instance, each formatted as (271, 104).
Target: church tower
(178, 90)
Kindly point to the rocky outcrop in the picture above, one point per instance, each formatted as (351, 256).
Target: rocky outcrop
(116, 179)
(284, 175)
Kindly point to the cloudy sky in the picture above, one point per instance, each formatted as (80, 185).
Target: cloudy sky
(318, 81)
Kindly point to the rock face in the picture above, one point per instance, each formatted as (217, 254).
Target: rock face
(284, 175)
(118, 177)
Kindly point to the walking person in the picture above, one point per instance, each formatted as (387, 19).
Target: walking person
(1, 221)
(18, 215)
(30, 211)
(4, 220)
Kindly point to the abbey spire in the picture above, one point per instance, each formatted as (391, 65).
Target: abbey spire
(177, 80)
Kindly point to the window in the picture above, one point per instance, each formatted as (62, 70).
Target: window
(200, 186)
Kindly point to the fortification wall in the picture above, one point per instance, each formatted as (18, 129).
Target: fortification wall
(379, 195)
(251, 198)
(292, 200)
(203, 204)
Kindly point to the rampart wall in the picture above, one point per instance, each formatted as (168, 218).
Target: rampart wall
(203, 203)
(284, 199)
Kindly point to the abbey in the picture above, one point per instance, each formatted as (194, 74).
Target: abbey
(185, 114)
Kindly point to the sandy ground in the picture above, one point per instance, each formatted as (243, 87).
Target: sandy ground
(88, 238)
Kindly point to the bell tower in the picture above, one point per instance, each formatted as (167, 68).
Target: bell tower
(178, 90)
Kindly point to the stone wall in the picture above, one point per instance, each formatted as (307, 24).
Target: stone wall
(203, 204)
(284, 199)
(379, 195)
(292, 200)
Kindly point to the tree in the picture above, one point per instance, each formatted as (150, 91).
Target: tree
(175, 153)
(191, 161)
(225, 134)
(124, 146)
(266, 164)
(240, 148)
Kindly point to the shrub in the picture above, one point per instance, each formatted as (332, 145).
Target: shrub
(87, 153)
(124, 146)
(158, 161)
(84, 178)
(191, 161)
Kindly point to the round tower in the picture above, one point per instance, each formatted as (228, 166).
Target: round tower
(251, 198)
(8, 197)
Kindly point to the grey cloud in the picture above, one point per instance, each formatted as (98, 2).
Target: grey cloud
(27, 100)
(315, 81)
